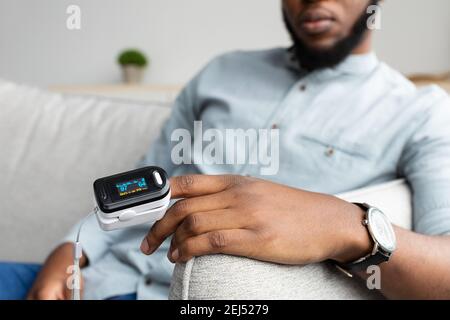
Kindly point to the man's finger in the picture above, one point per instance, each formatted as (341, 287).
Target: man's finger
(199, 185)
(177, 213)
(204, 222)
(238, 242)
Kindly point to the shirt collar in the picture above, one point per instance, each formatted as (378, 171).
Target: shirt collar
(355, 64)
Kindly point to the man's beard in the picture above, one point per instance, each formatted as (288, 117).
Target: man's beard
(312, 59)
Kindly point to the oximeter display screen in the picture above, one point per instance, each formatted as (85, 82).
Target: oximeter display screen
(131, 187)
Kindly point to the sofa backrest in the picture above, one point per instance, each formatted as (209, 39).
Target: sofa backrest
(52, 147)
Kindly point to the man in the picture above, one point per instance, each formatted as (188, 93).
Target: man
(345, 120)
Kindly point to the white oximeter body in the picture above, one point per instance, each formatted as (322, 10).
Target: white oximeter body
(131, 198)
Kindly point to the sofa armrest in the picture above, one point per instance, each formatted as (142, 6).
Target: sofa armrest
(229, 277)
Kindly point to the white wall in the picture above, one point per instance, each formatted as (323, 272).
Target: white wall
(415, 35)
(182, 35)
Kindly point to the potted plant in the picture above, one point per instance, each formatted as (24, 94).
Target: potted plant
(133, 63)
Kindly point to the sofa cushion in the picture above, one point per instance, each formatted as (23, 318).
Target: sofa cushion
(53, 147)
(229, 277)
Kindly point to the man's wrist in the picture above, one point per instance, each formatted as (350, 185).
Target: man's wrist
(355, 241)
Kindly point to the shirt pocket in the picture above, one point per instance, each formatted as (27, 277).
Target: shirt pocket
(337, 153)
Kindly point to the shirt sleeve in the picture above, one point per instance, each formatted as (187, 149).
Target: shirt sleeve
(186, 110)
(425, 163)
(181, 119)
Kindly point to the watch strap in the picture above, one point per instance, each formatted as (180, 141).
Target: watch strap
(366, 262)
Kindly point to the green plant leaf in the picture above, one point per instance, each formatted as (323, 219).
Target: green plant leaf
(132, 57)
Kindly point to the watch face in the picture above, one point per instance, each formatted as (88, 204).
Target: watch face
(381, 229)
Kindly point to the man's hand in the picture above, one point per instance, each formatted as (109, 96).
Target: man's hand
(50, 288)
(258, 219)
(51, 283)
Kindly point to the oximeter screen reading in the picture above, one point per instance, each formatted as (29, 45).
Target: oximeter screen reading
(130, 187)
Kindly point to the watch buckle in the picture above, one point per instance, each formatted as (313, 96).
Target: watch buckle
(348, 274)
(375, 248)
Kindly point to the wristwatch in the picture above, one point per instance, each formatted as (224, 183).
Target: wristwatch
(382, 233)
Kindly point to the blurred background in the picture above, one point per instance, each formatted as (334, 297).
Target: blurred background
(179, 36)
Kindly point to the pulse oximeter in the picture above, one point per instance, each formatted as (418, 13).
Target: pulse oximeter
(131, 198)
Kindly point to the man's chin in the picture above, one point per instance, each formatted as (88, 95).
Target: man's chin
(320, 45)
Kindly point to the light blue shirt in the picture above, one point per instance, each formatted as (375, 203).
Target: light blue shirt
(358, 124)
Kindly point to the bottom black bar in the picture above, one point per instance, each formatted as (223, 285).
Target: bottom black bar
(221, 309)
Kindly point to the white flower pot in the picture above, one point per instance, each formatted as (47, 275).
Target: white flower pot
(132, 74)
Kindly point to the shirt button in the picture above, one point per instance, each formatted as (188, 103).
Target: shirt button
(329, 152)
(302, 87)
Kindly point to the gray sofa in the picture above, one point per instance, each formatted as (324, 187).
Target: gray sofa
(54, 145)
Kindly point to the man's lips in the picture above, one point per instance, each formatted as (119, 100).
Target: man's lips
(316, 21)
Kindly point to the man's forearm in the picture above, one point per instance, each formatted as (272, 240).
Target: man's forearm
(418, 269)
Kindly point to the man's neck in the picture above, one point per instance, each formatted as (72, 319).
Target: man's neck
(365, 46)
